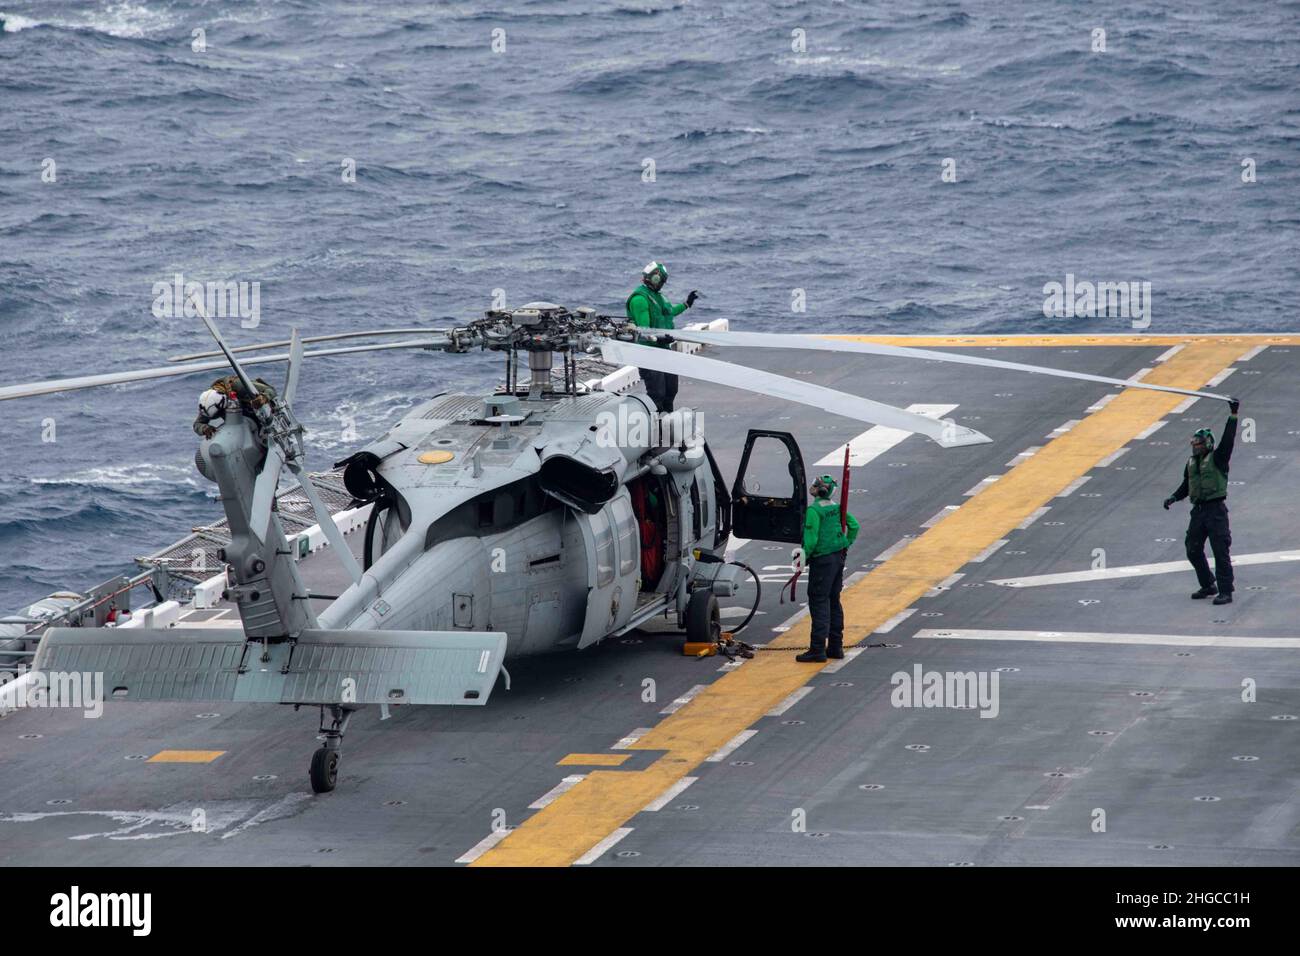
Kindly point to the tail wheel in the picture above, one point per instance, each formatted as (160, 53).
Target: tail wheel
(703, 621)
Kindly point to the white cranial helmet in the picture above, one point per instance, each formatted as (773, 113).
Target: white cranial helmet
(212, 403)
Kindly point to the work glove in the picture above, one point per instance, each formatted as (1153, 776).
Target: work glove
(666, 340)
(690, 299)
(1234, 404)
(1169, 501)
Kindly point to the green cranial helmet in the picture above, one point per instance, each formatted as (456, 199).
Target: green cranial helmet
(654, 275)
(823, 487)
(1206, 436)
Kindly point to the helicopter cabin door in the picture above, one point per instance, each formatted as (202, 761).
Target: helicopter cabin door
(769, 497)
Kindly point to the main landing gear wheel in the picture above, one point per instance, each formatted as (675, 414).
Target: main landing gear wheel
(324, 770)
(703, 622)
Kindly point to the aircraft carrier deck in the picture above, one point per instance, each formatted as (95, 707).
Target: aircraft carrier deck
(1120, 700)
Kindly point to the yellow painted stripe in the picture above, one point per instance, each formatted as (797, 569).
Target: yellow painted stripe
(1070, 341)
(604, 801)
(185, 756)
(593, 760)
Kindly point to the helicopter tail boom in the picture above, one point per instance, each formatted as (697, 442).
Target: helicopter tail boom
(329, 667)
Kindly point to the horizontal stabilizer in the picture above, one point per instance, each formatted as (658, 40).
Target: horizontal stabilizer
(321, 667)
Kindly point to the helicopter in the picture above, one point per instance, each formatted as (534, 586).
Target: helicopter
(550, 515)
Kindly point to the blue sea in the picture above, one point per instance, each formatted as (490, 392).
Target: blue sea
(549, 150)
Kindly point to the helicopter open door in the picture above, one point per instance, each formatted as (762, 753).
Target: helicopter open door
(769, 497)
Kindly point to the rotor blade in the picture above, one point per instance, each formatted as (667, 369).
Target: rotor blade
(326, 520)
(169, 371)
(944, 433)
(312, 338)
(295, 365)
(789, 341)
(259, 513)
(250, 388)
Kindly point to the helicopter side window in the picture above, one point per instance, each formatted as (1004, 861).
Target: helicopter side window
(628, 540)
(604, 548)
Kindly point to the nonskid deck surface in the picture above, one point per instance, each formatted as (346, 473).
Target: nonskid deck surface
(1112, 705)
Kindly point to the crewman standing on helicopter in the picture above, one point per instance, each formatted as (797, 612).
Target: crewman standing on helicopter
(826, 543)
(647, 308)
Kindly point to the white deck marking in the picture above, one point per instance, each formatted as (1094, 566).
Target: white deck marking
(849, 655)
(730, 747)
(1166, 355)
(1140, 374)
(984, 483)
(1252, 353)
(735, 544)
(627, 742)
(1038, 513)
(1060, 430)
(549, 796)
(1073, 486)
(1150, 430)
(893, 549)
(483, 845)
(1024, 455)
(1103, 402)
(682, 701)
(281, 808)
(1218, 379)
(939, 516)
(878, 439)
(790, 701)
(1112, 458)
(989, 551)
(599, 850)
(1092, 637)
(661, 801)
(894, 621)
(1184, 405)
(945, 585)
(1138, 570)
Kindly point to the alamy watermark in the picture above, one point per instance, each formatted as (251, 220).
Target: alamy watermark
(962, 690)
(76, 690)
(221, 300)
(1092, 300)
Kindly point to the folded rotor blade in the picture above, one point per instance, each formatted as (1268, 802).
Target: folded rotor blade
(259, 514)
(311, 338)
(170, 371)
(295, 365)
(945, 433)
(221, 344)
(326, 521)
(793, 341)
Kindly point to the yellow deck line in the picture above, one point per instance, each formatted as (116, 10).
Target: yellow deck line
(185, 756)
(593, 760)
(1250, 339)
(604, 800)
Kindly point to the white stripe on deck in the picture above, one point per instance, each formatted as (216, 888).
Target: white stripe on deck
(1112, 458)
(1073, 486)
(984, 483)
(1093, 637)
(893, 549)
(568, 783)
(627, 742)
(1252, 353)
(601, 848)
(1150, 430)
(483, 845)
(1103, 402)
(939, 516)
(878, 439)
(730, 747)
(1184, 405)
(894, 621)
(1138, 570)
(682, 701)
(790, 701)
(1024, 455)
(661, 801)
(989, 551)
(1038, 513)
(1166, 355)
(1218, 379)
(1060, 430)
(849, 655)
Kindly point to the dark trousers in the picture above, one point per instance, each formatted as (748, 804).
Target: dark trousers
(661, 387)
(825, 581)
(1210, 520)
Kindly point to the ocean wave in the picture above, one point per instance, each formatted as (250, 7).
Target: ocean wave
(124, 20)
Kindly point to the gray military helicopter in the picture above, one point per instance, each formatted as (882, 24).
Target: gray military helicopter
(549, 515)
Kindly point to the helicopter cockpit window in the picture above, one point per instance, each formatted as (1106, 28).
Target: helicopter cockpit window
(767, 474)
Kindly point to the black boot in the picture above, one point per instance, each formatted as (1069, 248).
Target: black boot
(811, 656)
(835, 652)
(1224, 598)
(1204, 593)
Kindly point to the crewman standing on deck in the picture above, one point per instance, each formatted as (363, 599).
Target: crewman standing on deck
(826, 543)
(647, 308)
(1205, 481)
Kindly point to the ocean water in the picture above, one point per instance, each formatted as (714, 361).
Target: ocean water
(522, 168)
